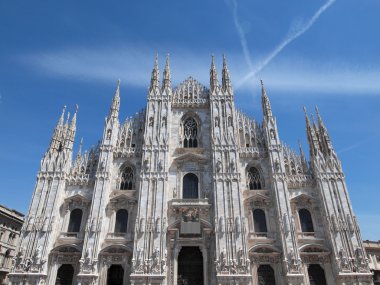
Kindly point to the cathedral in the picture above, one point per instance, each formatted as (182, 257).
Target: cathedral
(190, 191)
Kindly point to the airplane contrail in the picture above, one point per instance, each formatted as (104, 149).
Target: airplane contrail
(243, 40)
(280, 47)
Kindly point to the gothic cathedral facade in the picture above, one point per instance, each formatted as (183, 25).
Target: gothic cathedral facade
(190, 191)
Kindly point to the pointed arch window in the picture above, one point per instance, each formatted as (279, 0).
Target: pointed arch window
(306, 221)
(127, 179)
(190, 186)
(190, 132)
(265, 275)
(255, 181)
(259, 221)
(121, 222)
(316, 275)
(75, 221)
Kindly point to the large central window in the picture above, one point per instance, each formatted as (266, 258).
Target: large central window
(190, 132)
(127, 179)
(190, 186)
(254, 179)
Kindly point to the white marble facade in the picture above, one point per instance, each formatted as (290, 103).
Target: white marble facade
(190, 191)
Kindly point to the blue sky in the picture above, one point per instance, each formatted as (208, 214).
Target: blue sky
(320, 52)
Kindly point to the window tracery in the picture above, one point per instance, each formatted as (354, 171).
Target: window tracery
(127, 179)
(255, 181)
(190, 129)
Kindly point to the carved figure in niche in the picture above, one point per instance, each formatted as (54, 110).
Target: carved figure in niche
(206, 192)
(102, 165)
(217, 122)
(109, 133)
(160, 165)
(232, 165)
(146, 164)
(218, 165)
(272, 134)
(277, 165)
(175, 192)
(151, 121)
(164, 122)
(229, 121)
(37, 255)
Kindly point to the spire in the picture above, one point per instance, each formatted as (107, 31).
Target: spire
(154, 81)
(73, 123)
(267, 109)
(61, 119)
(311, 135)
(166, 81)
(323, 134)
(214, 84)
(226, 82)
(115, 106)
(66, 126)
(80, 149)
(303, 159)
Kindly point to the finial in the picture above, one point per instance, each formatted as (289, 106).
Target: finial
(62, 118)
(304, 110)
(316, 110)
(156, 60)
(76, 108)
(224, 60)
(212, 61)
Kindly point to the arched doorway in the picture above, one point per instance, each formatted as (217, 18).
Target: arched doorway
(190, 266)
(316, 275)
(65, 275)
(265, 275)
(115, 275)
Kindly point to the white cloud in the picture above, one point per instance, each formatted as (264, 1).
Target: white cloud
(133, 66)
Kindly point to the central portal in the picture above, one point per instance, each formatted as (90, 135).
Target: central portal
(190, 266)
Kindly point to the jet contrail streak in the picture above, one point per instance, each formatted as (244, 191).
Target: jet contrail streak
(243, 40)
(281, 46)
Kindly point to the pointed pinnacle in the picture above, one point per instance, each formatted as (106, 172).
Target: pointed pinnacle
(306, 117)
(156, 61)
(167, 60)
(212, 61)
(74, 119)
(263, 91)
(224, 61)
(62, 118)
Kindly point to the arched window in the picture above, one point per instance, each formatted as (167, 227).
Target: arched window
(190, 186)
(121, 221)
(259, 221)
(316, 275)
(306, 221)
(254, 179)
(65, 275)
(126, 179)
(265, 275)
(190, 132)
(75, 221)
